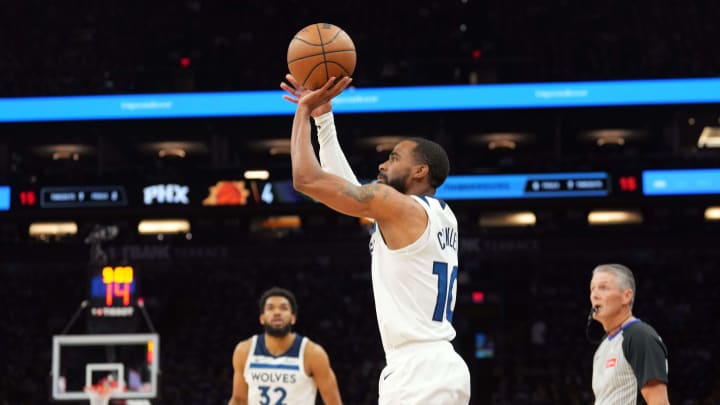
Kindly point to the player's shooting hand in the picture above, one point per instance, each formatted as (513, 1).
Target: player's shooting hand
(296, 90)
(314, 99)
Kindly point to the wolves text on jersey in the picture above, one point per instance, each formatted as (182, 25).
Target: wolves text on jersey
(269, 377)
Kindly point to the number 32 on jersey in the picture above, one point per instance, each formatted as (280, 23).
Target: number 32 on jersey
(265, 395)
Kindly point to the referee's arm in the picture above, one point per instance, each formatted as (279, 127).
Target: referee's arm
(655, 393)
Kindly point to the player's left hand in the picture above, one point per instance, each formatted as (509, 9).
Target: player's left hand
(296, 91)
(314, 99)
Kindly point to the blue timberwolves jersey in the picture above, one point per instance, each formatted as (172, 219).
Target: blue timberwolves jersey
(278, 380)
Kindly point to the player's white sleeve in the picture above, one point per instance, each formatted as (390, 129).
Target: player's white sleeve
(332, 158)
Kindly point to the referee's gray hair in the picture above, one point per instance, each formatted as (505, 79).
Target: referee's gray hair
(624, 275)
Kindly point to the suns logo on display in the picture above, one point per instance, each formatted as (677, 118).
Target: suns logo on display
(166, 194)
(231, 192)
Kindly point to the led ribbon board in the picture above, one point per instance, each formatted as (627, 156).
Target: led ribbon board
(681, 182)
(514, 186)
(83, 196)
(367, 100)
(4, 198)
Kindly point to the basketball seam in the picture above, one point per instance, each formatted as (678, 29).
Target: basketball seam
(319, 54)
(340, 66)
(321, 43)
(322, 46)
(334, 37)
(306, 42)
(311, 73)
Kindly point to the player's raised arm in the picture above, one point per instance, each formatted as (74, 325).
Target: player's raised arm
(373, 200)
(240, 387)
(332, 157)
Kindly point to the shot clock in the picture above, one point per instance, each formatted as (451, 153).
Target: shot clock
(113, 297)
(118, 282)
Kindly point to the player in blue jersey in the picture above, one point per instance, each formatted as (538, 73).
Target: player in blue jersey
(280, 366)
(413, 247)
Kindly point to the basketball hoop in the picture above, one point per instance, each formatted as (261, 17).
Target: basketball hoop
(102, 392)
(99, 397)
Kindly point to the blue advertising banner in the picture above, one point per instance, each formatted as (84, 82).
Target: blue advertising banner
(365, 100)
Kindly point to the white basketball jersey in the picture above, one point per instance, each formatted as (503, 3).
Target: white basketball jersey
(415, 286)
(278, 379)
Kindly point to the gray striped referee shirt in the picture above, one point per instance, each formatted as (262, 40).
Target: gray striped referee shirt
(625, 361)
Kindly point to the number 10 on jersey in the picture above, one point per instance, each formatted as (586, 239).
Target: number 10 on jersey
(443, 303)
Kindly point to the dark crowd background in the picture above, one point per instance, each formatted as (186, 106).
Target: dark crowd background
(202, 294)
(84, 47)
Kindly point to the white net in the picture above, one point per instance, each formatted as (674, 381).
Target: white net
(101, 394)
(99, 397)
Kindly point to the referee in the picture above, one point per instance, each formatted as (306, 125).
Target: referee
(630, 365)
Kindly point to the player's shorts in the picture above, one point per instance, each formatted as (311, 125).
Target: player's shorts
(425, 374)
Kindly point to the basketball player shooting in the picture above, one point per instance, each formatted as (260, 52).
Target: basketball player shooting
(413, 247)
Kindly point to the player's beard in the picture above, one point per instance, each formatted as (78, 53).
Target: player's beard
(398, 183)
(278, 332)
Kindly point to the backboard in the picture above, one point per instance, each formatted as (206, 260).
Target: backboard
(82, 360)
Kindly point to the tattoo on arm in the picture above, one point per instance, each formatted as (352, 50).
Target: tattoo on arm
(364, 193)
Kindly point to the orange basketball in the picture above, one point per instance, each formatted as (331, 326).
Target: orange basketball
(318, 52)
